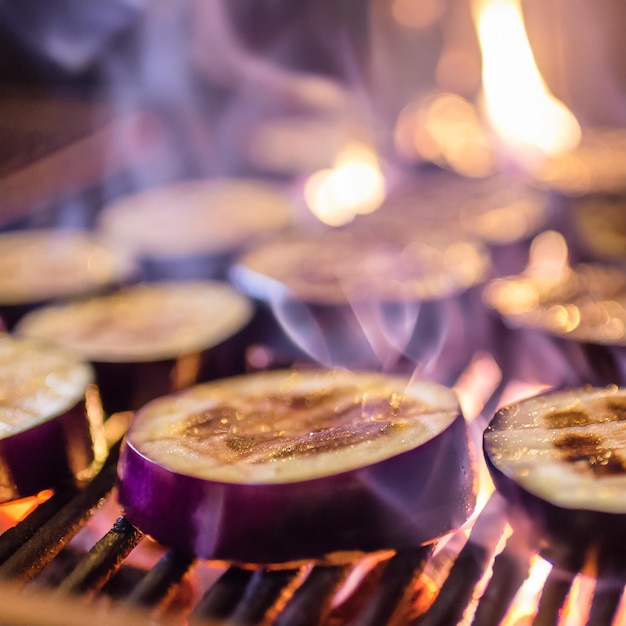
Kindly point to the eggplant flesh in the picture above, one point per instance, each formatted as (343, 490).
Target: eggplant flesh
(559, 459)
(45, 435)
(283, 466)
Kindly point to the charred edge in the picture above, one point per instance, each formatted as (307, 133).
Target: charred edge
(222, 597)
(509, 572)
(587, 452)
(396, 587)
(312, 600)
(103, 560)
(160, 581)
(50, 538)
(553, 598)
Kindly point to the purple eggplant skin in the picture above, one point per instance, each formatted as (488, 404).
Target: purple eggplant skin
(576, 540)
(47, 455)
(407, 500)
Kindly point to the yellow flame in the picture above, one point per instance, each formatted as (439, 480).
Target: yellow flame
(519, 104)
(355, 185)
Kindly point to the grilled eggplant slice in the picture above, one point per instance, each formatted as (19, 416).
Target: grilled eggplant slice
(285, 465)
(41, 266)
(149, 340)
(560, 461)
(45, 437)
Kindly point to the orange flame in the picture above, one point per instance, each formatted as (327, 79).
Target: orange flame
(520, 106)
(355, 185)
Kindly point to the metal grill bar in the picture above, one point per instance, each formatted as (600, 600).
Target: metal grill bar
(553, 598)
(26, 562)
(469, 567)
(158, 583)
(103, 560)
(396, 587)
(223, 596)
(267, 590)
(456, 592)
(604, 605)
(311, 601)
(510, 570)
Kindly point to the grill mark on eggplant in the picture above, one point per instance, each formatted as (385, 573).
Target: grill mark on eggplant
(329, 420)
(326, 440)
(614, 411)
(565, 419)
(617, 410)
(586, 452)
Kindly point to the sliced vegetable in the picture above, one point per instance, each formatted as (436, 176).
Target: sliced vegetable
(408, 296)
(560, 460)
(397, 264)
(38, 266)
(147, 340)
(286, 465)
(190, 229)
(45, 436)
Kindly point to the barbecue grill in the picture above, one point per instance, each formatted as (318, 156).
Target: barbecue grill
(475, 576)
(73, 558)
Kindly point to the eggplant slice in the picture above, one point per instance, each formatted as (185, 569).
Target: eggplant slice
(281, 466)
(41, 266)
(150, 339)
(45, 436)
(560, 461)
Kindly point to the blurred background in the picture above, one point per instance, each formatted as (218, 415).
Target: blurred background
(273, 89)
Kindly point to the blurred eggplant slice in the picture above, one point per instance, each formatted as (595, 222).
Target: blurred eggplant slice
(45, 436)
(149, 340)
(191, 229)
(41, 266)
(281, 466)
(560, 461)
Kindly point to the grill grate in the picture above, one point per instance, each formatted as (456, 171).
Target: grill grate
(300, 596)
(392, 590)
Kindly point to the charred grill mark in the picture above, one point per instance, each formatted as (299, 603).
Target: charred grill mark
(315, 412)
(209, 423)
(613, 411)
(587, 453)
(327, 440)
(310, 400)
(617, 410)
(565, 419)
(242, 445)
(286, 426)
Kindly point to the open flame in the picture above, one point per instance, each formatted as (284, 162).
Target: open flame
(519, 104)
(355, 185)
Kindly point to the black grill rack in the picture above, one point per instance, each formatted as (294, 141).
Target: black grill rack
(473, 578)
